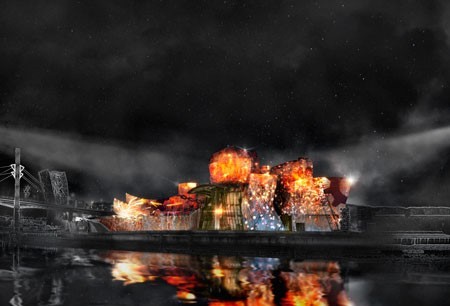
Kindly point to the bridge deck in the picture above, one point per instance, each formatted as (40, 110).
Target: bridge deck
(27, 204)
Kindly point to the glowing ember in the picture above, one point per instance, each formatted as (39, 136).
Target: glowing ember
(230, 165)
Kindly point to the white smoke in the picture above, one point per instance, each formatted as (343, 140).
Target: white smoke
(376, 161)
(150, 168)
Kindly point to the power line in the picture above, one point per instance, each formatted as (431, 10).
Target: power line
(32, 177)
(6, 172)
(5, 178)
(31, 183)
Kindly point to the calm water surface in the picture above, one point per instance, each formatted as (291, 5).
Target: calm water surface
(94, 277)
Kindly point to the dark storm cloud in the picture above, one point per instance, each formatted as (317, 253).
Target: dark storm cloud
(282, 76)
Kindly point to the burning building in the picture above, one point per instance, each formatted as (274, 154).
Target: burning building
(305, 202)
(179, 212)
(242, 195)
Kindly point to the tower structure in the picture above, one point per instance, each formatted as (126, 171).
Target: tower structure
(55, 186)
(17, 172)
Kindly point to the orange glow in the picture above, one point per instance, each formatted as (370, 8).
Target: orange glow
(131, 273)
(116, 223)
(181, 280)
(296, 173)
(304, 289)
(227, 303)
(230, 165)
(345, 185)
(134, 268)
(183, 188)
(126, 210)
(312, 282)
(134, 207)
(146, 203)
(217, 272)
(183, 295)
(264, 179)
(309, 283)
(218, 211)
(175, 203)
(306, 192)
(138, 214)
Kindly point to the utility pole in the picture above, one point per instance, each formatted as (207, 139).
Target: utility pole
(17, 175)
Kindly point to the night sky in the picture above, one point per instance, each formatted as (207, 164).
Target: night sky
(128, 96)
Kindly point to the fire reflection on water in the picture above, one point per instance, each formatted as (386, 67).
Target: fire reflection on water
(231, 281)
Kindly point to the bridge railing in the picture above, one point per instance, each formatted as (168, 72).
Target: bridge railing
(44, 205)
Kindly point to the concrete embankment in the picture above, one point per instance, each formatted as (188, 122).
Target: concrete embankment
(320, 245)
(219, 242)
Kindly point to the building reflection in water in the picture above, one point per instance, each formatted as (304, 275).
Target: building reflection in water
(227, 281)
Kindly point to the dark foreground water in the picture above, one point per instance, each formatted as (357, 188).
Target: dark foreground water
(94, 277)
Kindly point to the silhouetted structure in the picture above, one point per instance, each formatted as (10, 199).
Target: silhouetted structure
(55, 187)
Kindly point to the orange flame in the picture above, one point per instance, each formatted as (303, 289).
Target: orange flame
(295, 174)
(264, 179)
(307, 283)
(134, 207)
(187, 296)
(227, 303)
(306, 192)
(133, 268)
(147, 203)
(131, 273)
(183, 188)
(304, 289)
(311, 282)
(126, 210)
(176, 204)
(230, 165)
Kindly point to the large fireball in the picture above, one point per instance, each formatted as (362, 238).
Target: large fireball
(230, 165)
